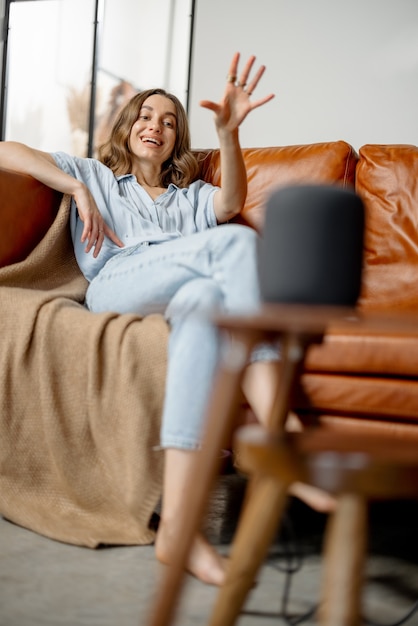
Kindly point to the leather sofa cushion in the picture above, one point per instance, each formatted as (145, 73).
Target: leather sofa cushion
(387, 180)
(362, 373)
(373, 396)
(396, 431)
(348, 351)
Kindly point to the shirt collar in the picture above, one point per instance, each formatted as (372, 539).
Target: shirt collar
(170, 187)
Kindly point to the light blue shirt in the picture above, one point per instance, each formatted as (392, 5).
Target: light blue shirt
(131, 212)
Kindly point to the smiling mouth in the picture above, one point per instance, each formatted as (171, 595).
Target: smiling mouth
(151, 140)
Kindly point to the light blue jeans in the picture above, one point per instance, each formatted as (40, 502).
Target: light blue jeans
(187, 280)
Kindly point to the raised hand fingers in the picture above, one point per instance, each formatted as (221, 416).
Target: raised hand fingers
(246, 72)
(235, 104)
(233, 69)
(248, 86)
(254, 82)
(208, 104)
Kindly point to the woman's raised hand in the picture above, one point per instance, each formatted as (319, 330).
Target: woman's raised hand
(235, 105)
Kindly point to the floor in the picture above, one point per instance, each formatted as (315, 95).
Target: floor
(43, 582)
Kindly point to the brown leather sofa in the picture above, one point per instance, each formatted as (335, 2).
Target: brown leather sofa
(353, 380)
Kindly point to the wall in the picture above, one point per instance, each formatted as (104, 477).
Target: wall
(340, 70)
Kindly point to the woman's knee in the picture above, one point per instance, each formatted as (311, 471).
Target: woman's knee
(236, 241)
(240, 232)
(199, 295)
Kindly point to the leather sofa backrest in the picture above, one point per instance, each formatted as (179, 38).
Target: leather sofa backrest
(28, 208)
(269, 168)
(387, 181)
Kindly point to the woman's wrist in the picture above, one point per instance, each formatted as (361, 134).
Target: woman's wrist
(78, 190)
(228, 137)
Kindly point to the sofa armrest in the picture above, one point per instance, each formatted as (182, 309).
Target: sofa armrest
(27, 210)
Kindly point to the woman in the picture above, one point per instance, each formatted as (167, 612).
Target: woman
(144, 236)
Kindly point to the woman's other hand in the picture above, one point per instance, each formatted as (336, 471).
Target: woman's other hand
(95, 228)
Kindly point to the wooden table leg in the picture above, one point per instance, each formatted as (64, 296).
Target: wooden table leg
(258, 524)
(222, 409)
(266, 498)
(344, 556)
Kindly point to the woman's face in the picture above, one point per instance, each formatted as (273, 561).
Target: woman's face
(153, 136)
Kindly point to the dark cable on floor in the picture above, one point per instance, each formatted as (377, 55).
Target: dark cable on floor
(293, 564)
(403, 620)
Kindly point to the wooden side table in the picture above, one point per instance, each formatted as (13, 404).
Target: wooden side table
(354, 468)
(297, 328)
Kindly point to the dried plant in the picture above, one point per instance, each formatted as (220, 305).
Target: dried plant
(78, 107)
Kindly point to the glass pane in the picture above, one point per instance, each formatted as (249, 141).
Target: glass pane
(50, 58)
(143, 45)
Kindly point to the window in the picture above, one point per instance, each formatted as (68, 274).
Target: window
(71, 65)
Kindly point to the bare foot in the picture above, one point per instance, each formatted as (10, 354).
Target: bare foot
(314, 497)
(203, 562)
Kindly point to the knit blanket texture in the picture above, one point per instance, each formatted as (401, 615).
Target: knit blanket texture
(81, 399)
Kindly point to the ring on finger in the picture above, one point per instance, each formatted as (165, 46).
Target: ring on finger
(240, 84)
(231, 78)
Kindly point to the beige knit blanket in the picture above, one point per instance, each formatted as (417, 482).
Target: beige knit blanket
(80, 404)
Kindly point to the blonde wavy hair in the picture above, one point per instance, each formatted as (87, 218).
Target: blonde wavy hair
(181, 168)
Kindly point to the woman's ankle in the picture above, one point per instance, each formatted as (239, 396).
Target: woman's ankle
(203, 562)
